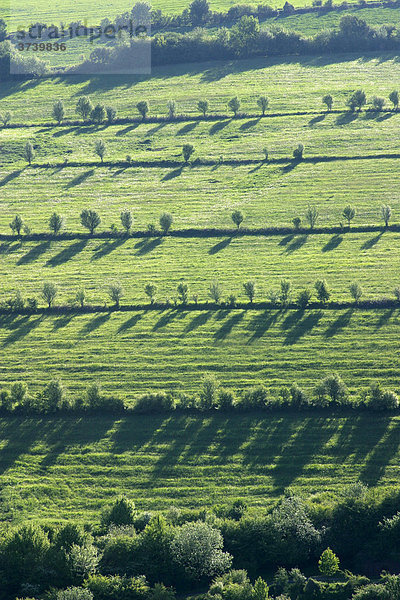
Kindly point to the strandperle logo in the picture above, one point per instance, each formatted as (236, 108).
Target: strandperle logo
(119, 45)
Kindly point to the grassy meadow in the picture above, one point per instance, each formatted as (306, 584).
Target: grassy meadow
(54, 469)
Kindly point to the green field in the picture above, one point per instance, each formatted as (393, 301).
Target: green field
(53, 469)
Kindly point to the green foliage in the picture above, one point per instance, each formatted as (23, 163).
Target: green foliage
(84, 107)
(29, 152)
(328, 563)
(100, 149)
(187, 151)
(98, 114)
(171, 106)
(116, 292)
(166, 221)
(122, 512)
(17, 224)
(215, 292)
(116, 587)
(237, 217)
(203, 107)
(323, 293)
(394, 99)
(58, 111)
(143, 108)
(90, 219)
(357, 100)
(111, 114)
(349, 213)
(263, 103)
(250, 290)
(49, 293)
(197, 548)
(312, 215)
(355, 291)
(303, 299)
(209, 391)
(56, 223)
(75, 593)
(198, 11)
(127, 220)
(150, 291)
(328, 100)
(234, 105)
(298, 152)
(386, 213)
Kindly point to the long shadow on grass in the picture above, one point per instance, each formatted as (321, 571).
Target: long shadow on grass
(302, 327)
(261, 322)
(173, 174)
(21, 328)
(10, 177)
(296, 243)
(165, 319)
(382, 452)
(340, 323)
(66, 254)
(187, 128)
(147, 245)
(384, 318)
(95, 323)
(79, 179)
(131, 322)
(317, 119)
(127, 129)
(34, 253)
(131, 434)
(333, 243)
(106, 248)
(220, 246)
(249, 124)
(346, 118)
(226, 329)
(372, 242)
(199, 320)
(219, 126)
(7, 247)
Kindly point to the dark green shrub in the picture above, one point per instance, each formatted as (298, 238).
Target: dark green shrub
(154, 403)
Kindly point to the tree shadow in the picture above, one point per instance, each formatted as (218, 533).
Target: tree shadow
(290, 166)
(188, 128)
(34, 253)
(346, 118)
(249, 124)
(340, 323)
(173, 174)
(296, 243)
(148, 245)
(165, 319)
(286, 240)
(107, 247)
(302, 328)
(21, 328)
(333, 243)
(66, 254)
(10, 177)
(64, 131)
(79, 179)
(95, 323)
(317, 119)
(131, 322)
(198, 321)
(219, 126)
(371, 242)
(382, 452)
(156, 129)
(63, 321)
(385, 317)
(226, 329)
(262, 322)
(220, 246)
(127, 129)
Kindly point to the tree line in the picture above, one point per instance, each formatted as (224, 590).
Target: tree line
(218, 553)
(328, 393)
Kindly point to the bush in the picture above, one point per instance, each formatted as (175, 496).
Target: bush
(100, 149)
(298, 152)
(355, 291)
(303, 299)
(126, 220)
(187, 151)
(263, 103)
(394, 99)
(122, 512)
(17, 224)
(328, 100)
(49, 293)
(323, 293)
(256, 397)
(372, 591)
(203, 106)
(312, 215)
(84, 107)
(29, 153)
(90, 219)
(111, 114)
(98, 114)
(75, 593)
(208, 393)
(378, 103)
(58, 111)
(166, 221)
(250, 290)
(154, 403)
(328, 563)
(116, 293)
(114, 587)
(56, 223)
(234, 105)
(379, 399)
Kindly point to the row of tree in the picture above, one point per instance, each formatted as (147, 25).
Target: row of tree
(329, 392)
(100, 113)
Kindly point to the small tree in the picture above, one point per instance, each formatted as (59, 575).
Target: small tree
(29, 152)
(261, 590)
(296, 223)
(126, 220)
(56, 223)
(237, 218)
(183, 292)
(58, 111)
(386, 213)
(122, 512)
(98, 114)
(215, 292)
(285, 291)
(234, 105)
(143, 109)
(250, 290)
(171, 106)
(198, 11)
(187, 151)
(203, 106)
(298, 152)
(378, 103)
(263, 103)
(357, 100)
(166, 221)
(328, 564)
(115, 292)
(323, 293)
(90, 219)
(312, 215)
(81, 297)
(394, 99)
(100, 149)
(49, 292)
(150, 291)
(5, 118)
(349, 213)
(111, 114)
(17, 224)
(84, 107)
(356, 291)
(328, 100)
